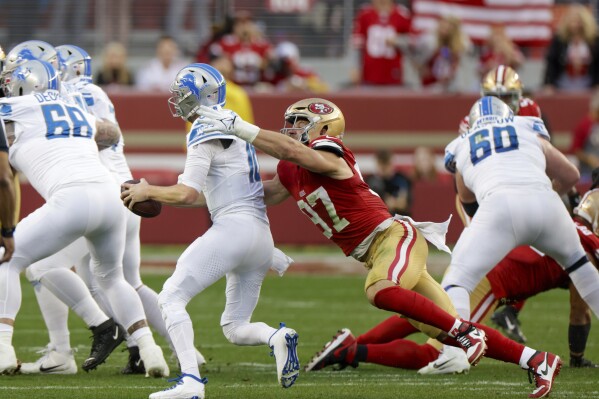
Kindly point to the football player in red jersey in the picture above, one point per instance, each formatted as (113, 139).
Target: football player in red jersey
(378, 31)
(321, 174)
(520, 275)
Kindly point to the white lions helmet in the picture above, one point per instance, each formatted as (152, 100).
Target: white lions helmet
(488, 110)
(31, 77)
(74, 62)
(30, 50)
(195, 85)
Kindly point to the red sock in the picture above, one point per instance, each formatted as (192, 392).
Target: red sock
(414, 306)
(388, 330)
(499, 347)
(401, 353)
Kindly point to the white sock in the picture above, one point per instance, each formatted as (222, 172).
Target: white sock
(143, 337)
(182, 337)
(6, 332)
(461, 300)
(70, 289)
(149, 299)
(130, 341)
(527, 353)
(10, 294)
(248, 333)
(56, 315)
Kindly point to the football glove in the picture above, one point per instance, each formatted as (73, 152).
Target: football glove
(228, 122)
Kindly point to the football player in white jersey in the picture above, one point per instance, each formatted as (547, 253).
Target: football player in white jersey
(225, 169)
(76, 71)
(507, 164)
(55, 146)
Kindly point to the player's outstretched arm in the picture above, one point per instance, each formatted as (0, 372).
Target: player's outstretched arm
(107, 134)
(177, 195)
(273, 143)
(274, 191)
(559, 169)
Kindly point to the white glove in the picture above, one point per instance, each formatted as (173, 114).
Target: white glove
(280, 262)
(228, 122)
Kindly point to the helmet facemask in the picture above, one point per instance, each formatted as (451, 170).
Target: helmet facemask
(299, 133)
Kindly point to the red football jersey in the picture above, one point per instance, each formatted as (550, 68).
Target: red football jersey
(248, 58)
(381, 62)
(528, 107)
(525, 272)
(346, 211)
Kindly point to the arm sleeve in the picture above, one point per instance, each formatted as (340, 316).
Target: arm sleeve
(197, 164)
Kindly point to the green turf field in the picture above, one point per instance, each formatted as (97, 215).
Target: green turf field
(316, 306)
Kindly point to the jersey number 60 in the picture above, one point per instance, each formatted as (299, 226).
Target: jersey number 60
(481, 145)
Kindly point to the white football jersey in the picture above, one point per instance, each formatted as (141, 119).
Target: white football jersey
(226, 170)
(98, 103)
(503, 154)
(54, 142)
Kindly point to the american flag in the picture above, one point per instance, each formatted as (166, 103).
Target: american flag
(527, 22)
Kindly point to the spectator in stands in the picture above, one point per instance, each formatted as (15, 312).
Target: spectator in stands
(205, 54)
(114, 70)
(392, 186)
(424, 165)
(158, 74)
(440, 54)
(380, 35)
(249, 51)
(288, 74)
(585, 143)
(499, 50)
(572, 60)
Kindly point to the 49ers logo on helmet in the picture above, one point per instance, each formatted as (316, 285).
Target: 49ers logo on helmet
(320, 108)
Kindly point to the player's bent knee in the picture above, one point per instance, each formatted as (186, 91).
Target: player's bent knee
(230, 331)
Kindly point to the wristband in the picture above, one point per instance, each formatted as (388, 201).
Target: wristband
(7, 232)
(246, 131)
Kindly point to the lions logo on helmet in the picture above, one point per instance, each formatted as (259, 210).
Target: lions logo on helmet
(74, 62)
(488, 110)
(33, 76)
(322, 117)
(503, 82)
(195, 85)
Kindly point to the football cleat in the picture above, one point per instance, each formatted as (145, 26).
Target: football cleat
(506, 319)
(154, 361)
(134, 365)
(335, 351)
(543, 368)
(581, 362)
(284, 348)
(452, 360)
(107, 336)
(472, 340)
(186, 386)
(51, 362)
(8, 360)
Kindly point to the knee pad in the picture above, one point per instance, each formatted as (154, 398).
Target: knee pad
(172, 309)
(105, 275)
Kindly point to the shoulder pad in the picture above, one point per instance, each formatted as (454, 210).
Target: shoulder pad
(326, 142)
(196, 135)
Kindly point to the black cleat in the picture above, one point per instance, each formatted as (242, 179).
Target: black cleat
(507, 321)
(135, 365)
(581, 362)
(107, 336)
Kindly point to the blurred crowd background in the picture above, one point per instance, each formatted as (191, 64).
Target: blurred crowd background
(322, 45)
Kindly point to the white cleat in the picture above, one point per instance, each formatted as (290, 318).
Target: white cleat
(187, 387)
(8, 360)
(154, 361)
(52, 362)
(452, 360)
(284, 348)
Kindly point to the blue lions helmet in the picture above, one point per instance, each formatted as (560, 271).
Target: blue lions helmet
(30, 50)
(488, 110)
(74, 62)
(195, 85)
(31, 77)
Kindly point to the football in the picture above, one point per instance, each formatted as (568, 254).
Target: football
(145, 209)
